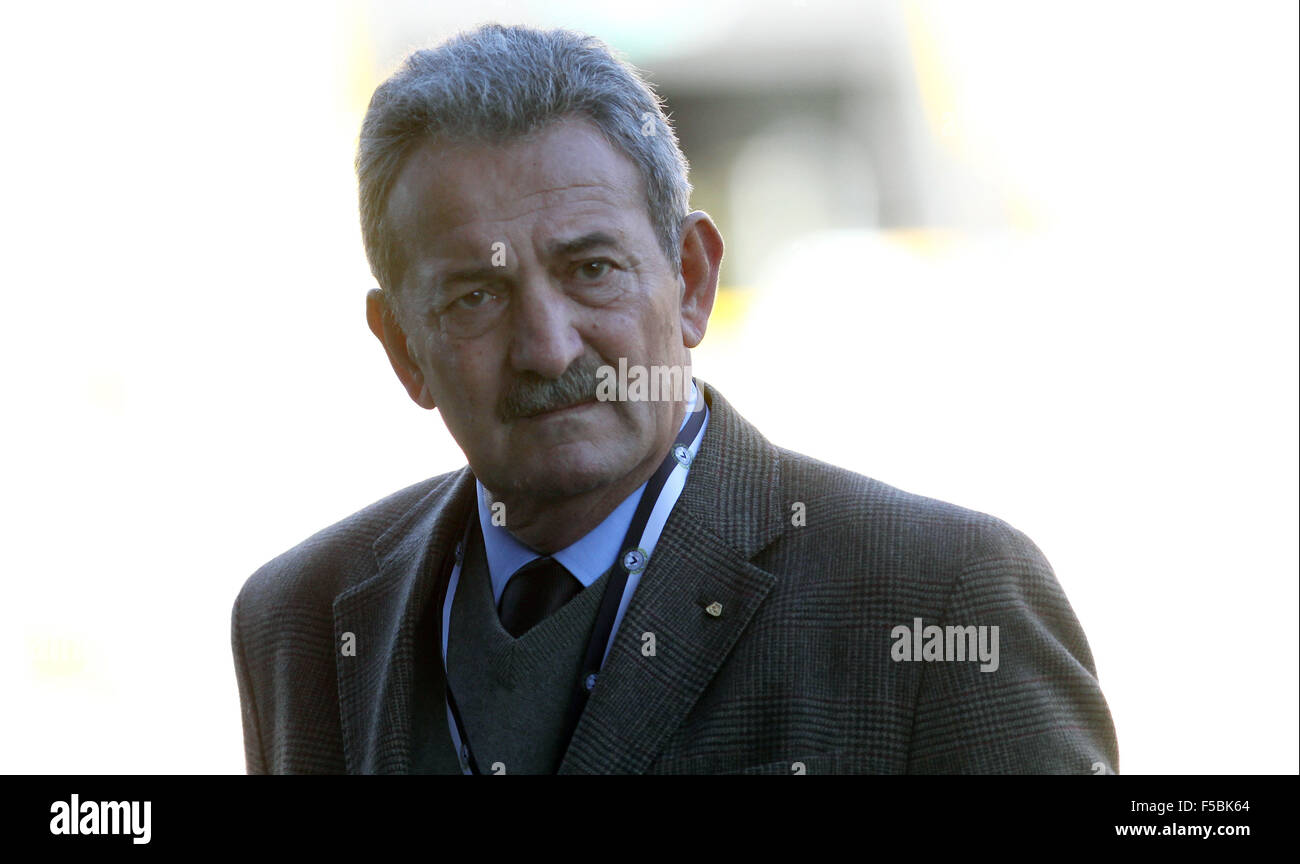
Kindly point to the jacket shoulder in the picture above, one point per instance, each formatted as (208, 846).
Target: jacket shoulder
(891, 557)
(837, 506)
(281, 633)
(320, 567)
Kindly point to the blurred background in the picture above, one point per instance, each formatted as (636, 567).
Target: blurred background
(1037, 259)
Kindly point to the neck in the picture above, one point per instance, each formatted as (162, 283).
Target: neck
(551, 525)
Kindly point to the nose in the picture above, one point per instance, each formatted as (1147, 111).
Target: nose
(544, 336)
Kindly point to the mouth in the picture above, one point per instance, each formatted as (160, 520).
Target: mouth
(565, 411)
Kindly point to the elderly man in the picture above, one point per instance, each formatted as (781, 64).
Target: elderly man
(624, 578)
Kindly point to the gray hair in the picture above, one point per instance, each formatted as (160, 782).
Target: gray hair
(499, 83)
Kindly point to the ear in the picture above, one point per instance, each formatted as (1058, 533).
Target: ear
(701, 262)
(384, 325)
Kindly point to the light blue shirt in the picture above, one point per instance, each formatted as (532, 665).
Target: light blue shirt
(589, 557)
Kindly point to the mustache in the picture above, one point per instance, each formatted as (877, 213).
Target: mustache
(533, 394)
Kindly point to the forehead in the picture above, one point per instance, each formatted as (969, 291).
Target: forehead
(453, 199)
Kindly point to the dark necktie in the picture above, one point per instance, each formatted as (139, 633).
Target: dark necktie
(536, 590)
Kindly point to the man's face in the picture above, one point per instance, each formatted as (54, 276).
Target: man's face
(524, 267)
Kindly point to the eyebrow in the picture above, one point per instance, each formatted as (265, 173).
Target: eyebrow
(566, 248)
(472, 274)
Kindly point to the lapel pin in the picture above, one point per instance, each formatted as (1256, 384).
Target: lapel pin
(714, 609)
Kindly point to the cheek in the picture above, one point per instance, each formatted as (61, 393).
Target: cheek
(649, 330)
(664, 327)
(456, 370)
(612, 333)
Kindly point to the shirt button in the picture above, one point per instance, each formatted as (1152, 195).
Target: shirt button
(590, 683)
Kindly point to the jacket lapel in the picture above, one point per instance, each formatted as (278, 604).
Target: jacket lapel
(728, 511)
(382, 612)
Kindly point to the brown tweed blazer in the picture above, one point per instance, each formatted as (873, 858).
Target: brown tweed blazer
(797, 668)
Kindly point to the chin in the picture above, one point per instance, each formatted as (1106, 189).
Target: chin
(561, 474)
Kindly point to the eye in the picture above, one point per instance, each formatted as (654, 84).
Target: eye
(472, 300)
(594, 270)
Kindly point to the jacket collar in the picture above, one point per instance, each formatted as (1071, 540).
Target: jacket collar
(728, 511)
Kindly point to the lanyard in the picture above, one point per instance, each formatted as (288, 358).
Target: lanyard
(632, 559)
